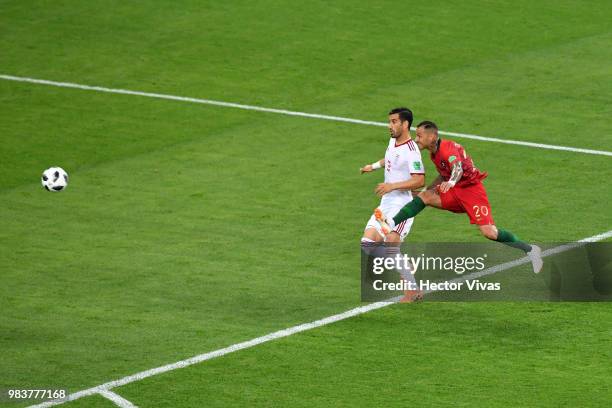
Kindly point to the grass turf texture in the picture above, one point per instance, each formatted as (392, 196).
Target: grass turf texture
(187, 228)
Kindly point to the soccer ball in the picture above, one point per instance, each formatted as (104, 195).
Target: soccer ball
(54, 179)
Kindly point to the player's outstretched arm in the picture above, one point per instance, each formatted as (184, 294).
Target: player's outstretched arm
(416, 181)
(371, 167)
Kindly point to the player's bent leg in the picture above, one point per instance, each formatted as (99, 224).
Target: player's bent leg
(504, 236)
(372, 243)
(508, 238)
(394, 236)
(371, 247)
(372, 234)
(415, 206)
(394, 239)
(489, 231)
(392, 245)
(431, 198)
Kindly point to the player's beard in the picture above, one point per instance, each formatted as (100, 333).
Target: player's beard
(392, 133)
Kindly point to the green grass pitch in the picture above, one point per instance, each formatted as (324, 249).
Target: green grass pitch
(187, 228)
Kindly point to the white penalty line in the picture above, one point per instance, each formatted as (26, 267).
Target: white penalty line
(104, 389)
(117, 399)
(290, 113)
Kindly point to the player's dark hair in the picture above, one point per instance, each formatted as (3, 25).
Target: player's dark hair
(428, 125)
(405, 114)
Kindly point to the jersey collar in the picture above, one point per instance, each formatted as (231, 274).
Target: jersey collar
(401, 144)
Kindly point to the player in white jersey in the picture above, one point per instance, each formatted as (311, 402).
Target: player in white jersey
(404, 172)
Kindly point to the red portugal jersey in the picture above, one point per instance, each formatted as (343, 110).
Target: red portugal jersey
(450, 152)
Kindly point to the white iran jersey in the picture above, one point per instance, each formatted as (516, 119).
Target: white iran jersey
(401, 161)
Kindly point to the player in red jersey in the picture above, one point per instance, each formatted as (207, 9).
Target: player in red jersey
(459, 189)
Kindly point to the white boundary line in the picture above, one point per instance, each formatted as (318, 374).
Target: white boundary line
(117, 399)
(104, 388)
(290, 113)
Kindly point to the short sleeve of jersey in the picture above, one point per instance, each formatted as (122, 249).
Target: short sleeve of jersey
(415, 163)
(452, 153)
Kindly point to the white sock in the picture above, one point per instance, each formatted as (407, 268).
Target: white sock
(372, 248)
(405, 271)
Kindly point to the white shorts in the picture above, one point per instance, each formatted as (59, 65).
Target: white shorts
(390, 209)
